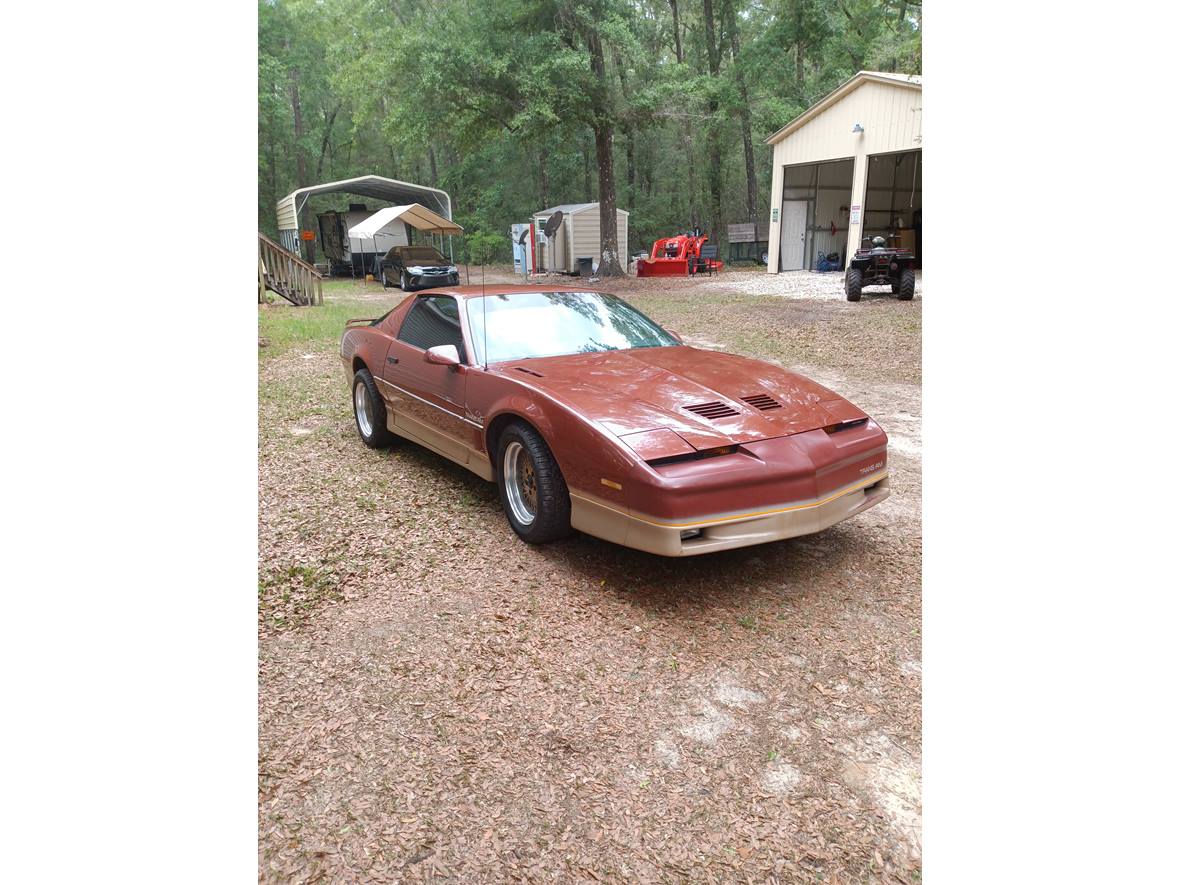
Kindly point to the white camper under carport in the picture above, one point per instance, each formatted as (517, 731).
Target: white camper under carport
(369, 232)
(580, 236)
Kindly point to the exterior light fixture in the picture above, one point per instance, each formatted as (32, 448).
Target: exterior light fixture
(856, 127)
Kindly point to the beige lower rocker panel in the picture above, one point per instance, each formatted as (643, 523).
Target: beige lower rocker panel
(602, 521)
(476, 462)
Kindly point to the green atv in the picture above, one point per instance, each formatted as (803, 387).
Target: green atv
(875, 265)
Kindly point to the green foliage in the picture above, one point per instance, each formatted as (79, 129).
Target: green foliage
(495, 100)
(484, 247)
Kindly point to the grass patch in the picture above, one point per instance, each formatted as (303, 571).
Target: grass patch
(285, 326)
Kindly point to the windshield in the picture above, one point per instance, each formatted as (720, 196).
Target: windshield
(422, 253)
(534, 324)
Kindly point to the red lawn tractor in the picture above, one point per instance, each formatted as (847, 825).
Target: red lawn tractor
(678, 256)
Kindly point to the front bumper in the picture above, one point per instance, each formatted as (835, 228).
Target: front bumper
(726, 531)
(432, 280)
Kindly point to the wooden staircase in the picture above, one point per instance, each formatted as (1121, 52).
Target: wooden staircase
(287, 275)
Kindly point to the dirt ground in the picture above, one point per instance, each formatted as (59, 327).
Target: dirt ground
(440, 702)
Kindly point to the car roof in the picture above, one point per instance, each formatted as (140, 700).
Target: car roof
(497, 289)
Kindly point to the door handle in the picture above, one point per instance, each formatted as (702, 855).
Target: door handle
(392, 360)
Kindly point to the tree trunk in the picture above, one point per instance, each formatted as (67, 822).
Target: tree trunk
(543, 173)
(712, 132)
(297, 111)
(433, 167)
(607, 216)
(743, 117)
(799, 49)
(676, 30)
(586, 186)
(603, 150)
(326, 141)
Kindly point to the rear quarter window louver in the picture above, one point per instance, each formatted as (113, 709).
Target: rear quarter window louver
(712, 411)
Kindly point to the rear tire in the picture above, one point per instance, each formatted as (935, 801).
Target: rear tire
(852, 284)
(533, 492)
(368, 408)
(385, 284)
(906, 291)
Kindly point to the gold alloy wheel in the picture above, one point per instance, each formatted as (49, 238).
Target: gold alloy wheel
(520, 483)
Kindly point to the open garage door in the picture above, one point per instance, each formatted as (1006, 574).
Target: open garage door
(893, 200)
(815, 200)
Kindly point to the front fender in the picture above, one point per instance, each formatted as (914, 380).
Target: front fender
(586, 452)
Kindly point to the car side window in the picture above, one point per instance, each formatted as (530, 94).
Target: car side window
(433, 320)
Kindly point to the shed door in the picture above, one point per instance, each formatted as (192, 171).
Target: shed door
(794, 232)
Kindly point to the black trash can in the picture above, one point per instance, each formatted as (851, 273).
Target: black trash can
(585, 267)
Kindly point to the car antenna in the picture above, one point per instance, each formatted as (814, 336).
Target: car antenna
(484, 298)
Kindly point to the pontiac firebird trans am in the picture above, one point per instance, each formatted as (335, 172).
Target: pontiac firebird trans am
(590, 416)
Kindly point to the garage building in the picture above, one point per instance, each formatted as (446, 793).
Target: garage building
(846, 169)
(578, 237)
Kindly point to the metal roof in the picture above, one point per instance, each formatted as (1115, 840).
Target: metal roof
(415, 215)
(571, 208)
(566, 208)
(375, 186)
(912, 81)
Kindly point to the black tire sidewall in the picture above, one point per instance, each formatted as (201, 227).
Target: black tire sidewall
(906, 285)
(404, 282)
(553, 502)
(852, 291)
(381, 436)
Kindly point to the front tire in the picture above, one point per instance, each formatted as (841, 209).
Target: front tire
(369, 410)
(906, 290)
(533, 492)
(852, 284)
(405, 282)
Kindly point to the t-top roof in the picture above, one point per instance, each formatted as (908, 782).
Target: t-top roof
(375, 186)
(415, 215)
(913, 81)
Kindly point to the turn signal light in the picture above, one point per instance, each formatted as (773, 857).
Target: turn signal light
(845, 425)
(694, 456)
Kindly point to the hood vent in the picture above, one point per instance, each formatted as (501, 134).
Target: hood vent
(528, 371)
(762, 401)
(712, 411)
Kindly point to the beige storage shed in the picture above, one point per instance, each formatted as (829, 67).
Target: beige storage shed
(578, 237)
(846, 169)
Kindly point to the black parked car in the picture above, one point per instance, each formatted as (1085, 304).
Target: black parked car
(417, 267)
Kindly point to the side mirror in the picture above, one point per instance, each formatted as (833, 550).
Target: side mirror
(443, 355)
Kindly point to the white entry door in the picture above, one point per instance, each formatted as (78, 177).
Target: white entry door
(794, 233)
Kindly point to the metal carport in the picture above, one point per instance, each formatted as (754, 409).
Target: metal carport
(290, 207)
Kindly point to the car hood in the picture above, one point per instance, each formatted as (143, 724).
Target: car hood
(705, 398)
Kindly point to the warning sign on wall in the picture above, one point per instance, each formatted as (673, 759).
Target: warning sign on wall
(854, 215)
(307, 234)
(774, 215)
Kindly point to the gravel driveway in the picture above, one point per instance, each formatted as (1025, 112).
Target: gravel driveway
(440, 702)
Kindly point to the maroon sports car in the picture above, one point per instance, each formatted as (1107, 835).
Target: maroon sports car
(590, 416)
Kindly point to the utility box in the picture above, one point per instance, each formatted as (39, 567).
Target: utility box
(523, 253)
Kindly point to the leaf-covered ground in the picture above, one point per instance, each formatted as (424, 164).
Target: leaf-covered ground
(440, 702)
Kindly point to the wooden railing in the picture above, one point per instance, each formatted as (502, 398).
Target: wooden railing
(287, 274)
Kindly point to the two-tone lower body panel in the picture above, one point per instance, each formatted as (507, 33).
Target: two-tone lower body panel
(689, 537)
